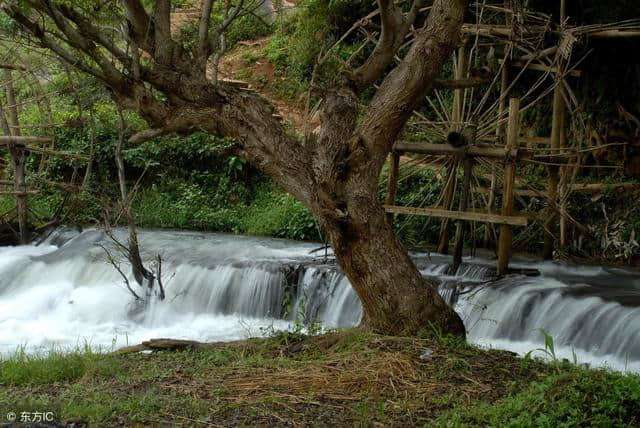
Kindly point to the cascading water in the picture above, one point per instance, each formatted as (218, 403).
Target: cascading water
(222, 287)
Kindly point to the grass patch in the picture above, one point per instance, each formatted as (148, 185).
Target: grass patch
(343, 378)
(22, 369)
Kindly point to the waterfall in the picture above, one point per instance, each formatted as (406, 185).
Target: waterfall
(224, 287)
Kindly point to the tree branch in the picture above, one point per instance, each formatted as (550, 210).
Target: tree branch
(141, 27)
(162, 25)
(80, 41)
(395, 27)
(406, 86)
(203, 31)
(88, 29)
(38, 32)
(12, 66)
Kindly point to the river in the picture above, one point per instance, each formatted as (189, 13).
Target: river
(64, 294)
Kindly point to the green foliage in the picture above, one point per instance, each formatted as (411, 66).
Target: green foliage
(273, 213)
(312, 30)
(573, 397)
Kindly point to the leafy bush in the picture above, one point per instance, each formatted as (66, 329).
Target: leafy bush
(273, 213)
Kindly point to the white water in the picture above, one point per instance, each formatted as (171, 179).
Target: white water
(222, 287)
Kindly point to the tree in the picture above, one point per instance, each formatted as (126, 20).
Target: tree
(335, 175)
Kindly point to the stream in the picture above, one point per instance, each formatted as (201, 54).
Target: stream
(64, 294)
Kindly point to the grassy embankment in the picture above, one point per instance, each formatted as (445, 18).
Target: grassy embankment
(338, 379)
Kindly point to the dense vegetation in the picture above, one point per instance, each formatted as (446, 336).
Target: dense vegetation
(191, 183)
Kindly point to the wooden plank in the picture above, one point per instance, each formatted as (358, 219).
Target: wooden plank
(18, 193)
(459, 215)
(6, 140)
(505, 239)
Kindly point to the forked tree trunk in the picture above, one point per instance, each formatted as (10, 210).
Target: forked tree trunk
(335, 175)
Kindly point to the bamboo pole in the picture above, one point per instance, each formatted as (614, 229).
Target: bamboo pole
(557, 131)
(456, 119)
(18, 160)
(502, 104)
(392, 183)
(563, 143)
(504, 242)
(464, 201)
(443, 239)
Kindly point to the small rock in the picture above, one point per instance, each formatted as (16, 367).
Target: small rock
(427, 355)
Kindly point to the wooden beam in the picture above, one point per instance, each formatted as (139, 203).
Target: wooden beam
(495, 152)
(446, 149)
(522, 139)
(499, 30)
(599, 187)
(460, 83)
(459, 215)
(583, 188)
(609, 34)
(18, 193)
(545, 68)
(58, 153)
(539, 54)
(6, 140)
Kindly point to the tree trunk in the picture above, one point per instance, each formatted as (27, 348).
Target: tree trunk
(395, 297)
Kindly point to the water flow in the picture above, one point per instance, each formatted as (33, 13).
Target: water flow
(223, 287)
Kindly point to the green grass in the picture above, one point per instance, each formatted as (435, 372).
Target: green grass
(341, 378)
